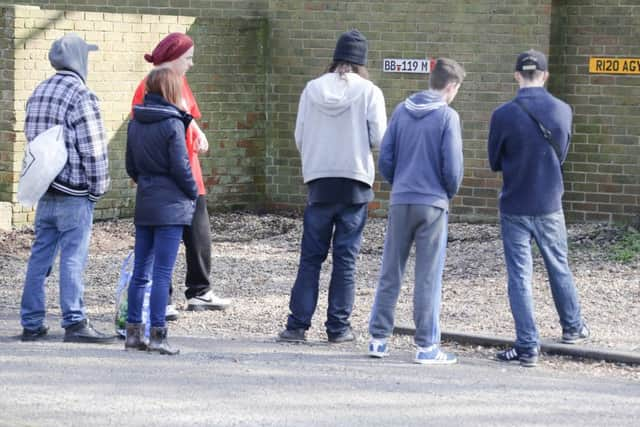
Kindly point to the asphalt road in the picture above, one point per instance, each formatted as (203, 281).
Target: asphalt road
(253, 382)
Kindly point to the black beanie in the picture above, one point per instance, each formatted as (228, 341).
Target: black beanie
(351, 47)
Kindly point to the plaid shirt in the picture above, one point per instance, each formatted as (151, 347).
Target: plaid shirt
(64, 99)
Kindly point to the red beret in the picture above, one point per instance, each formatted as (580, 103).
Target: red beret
(170, 48)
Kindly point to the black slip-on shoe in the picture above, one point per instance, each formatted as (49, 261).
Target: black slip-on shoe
(344, 336)
(292, 335)
(84, 332)
(34, 334)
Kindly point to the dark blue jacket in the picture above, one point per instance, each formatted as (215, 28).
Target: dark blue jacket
(531, 175)
(157, 161)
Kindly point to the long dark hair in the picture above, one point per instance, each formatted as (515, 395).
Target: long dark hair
(342, 67)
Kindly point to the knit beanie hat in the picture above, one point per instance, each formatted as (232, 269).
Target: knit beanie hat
(351, 47)
(171, 47)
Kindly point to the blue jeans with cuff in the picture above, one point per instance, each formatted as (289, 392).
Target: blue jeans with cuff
(62, 225)
(550, 234)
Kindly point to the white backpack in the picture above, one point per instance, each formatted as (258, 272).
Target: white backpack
(44, 158)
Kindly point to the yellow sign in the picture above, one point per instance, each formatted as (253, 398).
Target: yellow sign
(614, 65)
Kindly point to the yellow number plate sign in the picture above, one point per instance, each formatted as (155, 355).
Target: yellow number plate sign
(614, 65)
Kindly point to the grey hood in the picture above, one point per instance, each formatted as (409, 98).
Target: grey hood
(71, 52)
(333, 94)
(422, 103)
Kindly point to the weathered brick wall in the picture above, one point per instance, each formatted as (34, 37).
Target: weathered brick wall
(484, 36)
(254, 57)
(228, 81)
(603, 168)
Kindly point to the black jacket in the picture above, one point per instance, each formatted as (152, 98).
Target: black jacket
(157, 161)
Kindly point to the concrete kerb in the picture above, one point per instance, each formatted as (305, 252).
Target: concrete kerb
(545, 346)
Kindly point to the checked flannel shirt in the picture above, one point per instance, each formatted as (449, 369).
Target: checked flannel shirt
(64, 99)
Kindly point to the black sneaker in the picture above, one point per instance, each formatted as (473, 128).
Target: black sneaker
(576, 337)
(529, 359)
(84, 332)
(344, 336)
(292, 335)
(34, 334)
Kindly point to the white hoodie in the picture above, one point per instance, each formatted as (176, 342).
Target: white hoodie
(340, 118)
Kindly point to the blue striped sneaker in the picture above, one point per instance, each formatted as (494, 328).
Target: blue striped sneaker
(432, 355)
(378, 348)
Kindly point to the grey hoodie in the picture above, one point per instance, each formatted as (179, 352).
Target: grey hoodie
(340, 118)
(71, 52)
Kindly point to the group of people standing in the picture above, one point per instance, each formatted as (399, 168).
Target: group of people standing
(163, 144)
(341, 119)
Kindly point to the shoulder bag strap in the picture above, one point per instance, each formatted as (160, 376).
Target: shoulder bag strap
(546, 133)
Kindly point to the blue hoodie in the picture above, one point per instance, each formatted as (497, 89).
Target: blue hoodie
(421, 152)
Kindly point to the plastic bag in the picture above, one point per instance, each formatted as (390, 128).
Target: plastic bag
(44, 158)
(126, 272)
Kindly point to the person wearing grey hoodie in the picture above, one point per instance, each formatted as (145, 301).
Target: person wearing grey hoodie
(341, 117)
(421, 157)
(64, 215)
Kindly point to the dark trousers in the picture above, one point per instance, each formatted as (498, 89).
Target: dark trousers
(327, 225)
(197, 245)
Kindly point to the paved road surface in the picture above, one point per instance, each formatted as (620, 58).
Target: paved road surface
(253, 382)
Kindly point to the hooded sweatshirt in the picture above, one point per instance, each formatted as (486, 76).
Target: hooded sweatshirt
(421, 152)
(340, 118)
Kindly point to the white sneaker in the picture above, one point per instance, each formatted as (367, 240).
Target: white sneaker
(378, 348)
(208, 301)
(172, 313)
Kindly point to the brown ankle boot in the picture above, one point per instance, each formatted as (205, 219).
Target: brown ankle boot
(135, 337)
(158, 341)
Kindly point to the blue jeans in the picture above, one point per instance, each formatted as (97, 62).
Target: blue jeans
(63, 224)
(155, 252)
(427, 226)
(550, 234)
(323, 222)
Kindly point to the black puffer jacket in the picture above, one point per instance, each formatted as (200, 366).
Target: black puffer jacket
(157, 161)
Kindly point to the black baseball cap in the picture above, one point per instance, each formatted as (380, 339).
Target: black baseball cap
(531, 60)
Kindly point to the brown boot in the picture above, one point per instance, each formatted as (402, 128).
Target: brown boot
(135, 337)
(158, 341)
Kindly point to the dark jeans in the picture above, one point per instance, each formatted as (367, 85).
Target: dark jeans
(197, 245)
(323, 222)
(156, 248)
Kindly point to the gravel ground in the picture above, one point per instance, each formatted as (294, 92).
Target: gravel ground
(255, 261)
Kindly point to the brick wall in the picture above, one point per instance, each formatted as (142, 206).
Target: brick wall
(8, 180)
(254, 57)
(603, 168)
(485, 36)
(228, 81)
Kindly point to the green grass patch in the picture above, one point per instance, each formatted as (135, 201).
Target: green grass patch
(627, 249)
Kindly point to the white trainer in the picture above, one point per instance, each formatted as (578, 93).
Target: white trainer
(172, 313)
(378, 348)
(208, 301)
